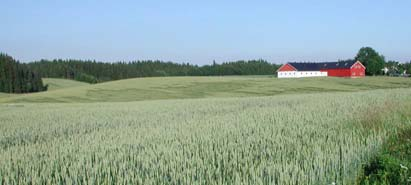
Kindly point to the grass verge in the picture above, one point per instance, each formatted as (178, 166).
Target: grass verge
(393, 164)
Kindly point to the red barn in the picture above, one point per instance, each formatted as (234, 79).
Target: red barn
(351, 69)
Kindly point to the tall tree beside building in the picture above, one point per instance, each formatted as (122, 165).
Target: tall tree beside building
(17, 78)
(407, 67)
(372, 60)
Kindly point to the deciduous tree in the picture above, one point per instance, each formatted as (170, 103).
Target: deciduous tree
(372, 60)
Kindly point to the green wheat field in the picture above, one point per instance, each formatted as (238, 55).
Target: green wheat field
(200, 130)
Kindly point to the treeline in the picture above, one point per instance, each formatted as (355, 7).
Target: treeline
(94, 72)
(18, 78)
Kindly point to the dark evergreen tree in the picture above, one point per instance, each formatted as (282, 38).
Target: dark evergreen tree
(18, 78)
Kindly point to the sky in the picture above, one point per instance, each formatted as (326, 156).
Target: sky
(199, 32)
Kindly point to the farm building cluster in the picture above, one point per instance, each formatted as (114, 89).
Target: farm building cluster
(353, 69)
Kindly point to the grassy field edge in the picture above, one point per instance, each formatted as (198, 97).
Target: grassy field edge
(392, 164)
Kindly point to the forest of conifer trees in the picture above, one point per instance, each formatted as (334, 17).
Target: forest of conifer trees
(94, 72)
(18, 78)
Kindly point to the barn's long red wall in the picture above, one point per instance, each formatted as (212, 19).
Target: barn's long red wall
(339, 72)
(357, 70)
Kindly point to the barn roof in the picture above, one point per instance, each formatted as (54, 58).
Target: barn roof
(304, 66)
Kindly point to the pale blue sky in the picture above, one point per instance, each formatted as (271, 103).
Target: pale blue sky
(201, 31)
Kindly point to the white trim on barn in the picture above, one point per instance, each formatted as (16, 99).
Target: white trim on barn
(300, 74)
(359, 63)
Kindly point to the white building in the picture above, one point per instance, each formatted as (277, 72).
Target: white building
(301, 74)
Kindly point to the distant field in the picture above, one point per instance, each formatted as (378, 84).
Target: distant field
(200, 87)
(56, 83)
(53, 84)
(5, 95)
(320, 138)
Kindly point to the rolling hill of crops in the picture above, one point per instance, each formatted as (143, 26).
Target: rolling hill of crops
(200, 130)
(287, 139)
(56, 83)
(53, 84)
(201, 87)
